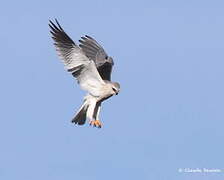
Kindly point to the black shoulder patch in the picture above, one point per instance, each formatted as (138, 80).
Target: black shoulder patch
(76, 71)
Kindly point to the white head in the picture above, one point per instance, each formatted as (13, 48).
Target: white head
(115, 87)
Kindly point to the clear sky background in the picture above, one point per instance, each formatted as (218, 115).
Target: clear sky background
(169, 60)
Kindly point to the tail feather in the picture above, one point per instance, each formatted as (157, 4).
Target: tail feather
(80, 117)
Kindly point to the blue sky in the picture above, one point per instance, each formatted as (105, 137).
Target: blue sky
(169, 114)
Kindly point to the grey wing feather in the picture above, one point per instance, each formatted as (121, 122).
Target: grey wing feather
(95, 51)
(75, 61)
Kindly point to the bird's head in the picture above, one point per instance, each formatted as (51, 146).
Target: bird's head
(115, 88)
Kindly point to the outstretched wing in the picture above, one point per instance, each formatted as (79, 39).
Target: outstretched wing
(75, 61)
(94, 51)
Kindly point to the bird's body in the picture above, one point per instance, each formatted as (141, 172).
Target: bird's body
(92, 68)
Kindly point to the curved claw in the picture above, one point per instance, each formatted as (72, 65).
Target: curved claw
(95, 123)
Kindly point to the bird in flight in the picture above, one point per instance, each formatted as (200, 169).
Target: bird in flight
(91, 66)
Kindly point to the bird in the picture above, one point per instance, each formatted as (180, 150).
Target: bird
(90, 65)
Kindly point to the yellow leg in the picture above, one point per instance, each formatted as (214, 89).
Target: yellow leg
(95, 123)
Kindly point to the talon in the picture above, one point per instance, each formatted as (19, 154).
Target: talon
(91, 123)
(98, 123)
(95, 123)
